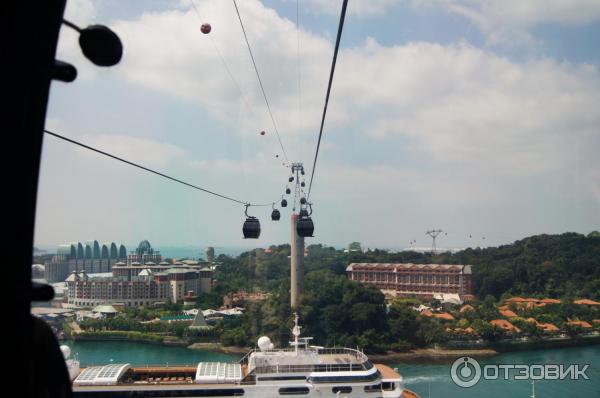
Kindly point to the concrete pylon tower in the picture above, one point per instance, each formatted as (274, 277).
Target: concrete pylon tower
(297, 264)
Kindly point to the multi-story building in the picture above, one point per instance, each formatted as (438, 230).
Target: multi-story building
(140, 284)
(91, 257)
(144, 254)
(144, 289)
(418, 280)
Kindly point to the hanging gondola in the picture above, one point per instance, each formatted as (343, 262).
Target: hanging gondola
(275, 214)
(205, 28)
(251, 228)
(291, 179)
(305, 226)
(302, 201)
(288, 191)
(283, 203)
(302, 184)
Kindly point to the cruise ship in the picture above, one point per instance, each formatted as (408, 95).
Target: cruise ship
(302, 370)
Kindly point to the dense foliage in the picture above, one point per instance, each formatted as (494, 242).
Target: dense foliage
(337, 311)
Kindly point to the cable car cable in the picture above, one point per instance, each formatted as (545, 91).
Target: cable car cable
(335, 53)
(154, 171)
(298, 60)
(260, 82)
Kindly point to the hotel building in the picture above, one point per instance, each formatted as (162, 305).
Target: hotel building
(138, 283)
(415, 280)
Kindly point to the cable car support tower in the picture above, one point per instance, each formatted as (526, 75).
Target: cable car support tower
(434, 234)
(302, 226)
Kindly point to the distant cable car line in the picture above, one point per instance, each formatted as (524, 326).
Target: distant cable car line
(335, 53)
(260, 82)
(156, 172)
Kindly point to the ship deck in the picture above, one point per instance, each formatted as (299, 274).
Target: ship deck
(339, 358)
(183, 377)
(387, 373)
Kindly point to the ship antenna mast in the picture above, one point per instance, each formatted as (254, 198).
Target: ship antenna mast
(296, 332)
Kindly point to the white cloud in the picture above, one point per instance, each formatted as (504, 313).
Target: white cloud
(487, 128)
(167, 52)
(507, 22)
(461, 104)
(454, 103)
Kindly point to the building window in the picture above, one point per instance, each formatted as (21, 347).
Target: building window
(373, 388)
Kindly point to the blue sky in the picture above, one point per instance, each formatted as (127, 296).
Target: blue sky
(479, 118)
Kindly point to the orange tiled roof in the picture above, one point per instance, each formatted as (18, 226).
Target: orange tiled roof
(596, 321)
(426, 313)
(583, 324)
(521, 300)
(506, 325)
(515, 300)
(550, 301)
(548, 327)
(466, 307)
(532, 320)
(508, 313)
(586, 302)
(445, 316)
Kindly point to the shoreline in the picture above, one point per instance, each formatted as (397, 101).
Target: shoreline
(416, 356)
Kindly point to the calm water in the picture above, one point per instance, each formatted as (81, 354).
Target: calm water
(427, 380)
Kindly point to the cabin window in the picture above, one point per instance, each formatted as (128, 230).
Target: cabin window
(293, 391)
(273, 378)
(373, 388)
(342, 389)
(345, 379)
(388, 386)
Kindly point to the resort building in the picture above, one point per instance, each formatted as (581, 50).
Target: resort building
(91, 257)
(139, 284)
(415, 280)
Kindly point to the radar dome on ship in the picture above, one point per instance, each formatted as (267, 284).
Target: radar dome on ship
(264, 343)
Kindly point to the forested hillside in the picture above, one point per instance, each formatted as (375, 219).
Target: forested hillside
(337, 311)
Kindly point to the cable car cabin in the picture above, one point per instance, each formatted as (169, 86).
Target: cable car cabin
(291, 179)
(288, 191)
(275, 215)
(302, 201)
(305, 226)
(283, 203)
(251, 228)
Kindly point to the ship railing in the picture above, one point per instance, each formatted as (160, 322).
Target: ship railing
(245, 358)
(358, 355)
(337, 367)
